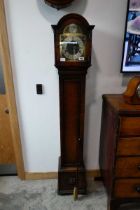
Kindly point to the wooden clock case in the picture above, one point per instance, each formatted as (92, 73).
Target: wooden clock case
(58, 3)
(72, 75)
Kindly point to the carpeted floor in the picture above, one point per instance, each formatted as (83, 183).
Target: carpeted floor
(42, 195)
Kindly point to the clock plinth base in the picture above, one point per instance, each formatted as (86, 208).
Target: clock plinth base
(67, 180)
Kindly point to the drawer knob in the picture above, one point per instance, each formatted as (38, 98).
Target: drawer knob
(138, 189)
(6, 111)
(139, 167)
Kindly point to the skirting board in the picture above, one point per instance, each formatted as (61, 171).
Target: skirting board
(54, 175)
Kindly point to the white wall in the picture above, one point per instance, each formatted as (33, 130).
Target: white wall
(32, 53)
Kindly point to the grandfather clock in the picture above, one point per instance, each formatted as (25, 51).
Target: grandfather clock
(73, 40)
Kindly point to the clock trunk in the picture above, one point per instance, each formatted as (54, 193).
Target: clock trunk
(72, 100)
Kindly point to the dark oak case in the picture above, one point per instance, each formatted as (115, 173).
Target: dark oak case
(72, 75)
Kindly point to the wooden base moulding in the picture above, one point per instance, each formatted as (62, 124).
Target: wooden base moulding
(54, 175)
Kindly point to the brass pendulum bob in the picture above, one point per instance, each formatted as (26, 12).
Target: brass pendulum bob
(75, 189)
(75, 193)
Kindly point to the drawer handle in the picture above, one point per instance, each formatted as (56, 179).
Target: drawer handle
(138, 189)
(6, 111)
(139, 167)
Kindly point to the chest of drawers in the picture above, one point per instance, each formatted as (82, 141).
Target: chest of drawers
(119, 157)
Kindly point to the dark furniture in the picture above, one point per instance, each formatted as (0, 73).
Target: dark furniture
(120, 151)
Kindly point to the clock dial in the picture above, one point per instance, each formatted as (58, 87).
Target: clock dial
(72, 48)
(72, 44)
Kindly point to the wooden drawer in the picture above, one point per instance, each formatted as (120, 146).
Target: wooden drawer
(128, 167)
(130, 126)
(128, 146)
(127, 188)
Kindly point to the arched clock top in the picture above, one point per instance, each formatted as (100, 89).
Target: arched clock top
(73, 18)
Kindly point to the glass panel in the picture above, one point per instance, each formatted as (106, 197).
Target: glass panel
(2, 85)
(8, 169)
(72, 44)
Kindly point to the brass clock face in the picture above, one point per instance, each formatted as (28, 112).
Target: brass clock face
(72, 44)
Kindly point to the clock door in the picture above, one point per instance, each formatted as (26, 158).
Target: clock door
(72, 44)
(72, 89)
